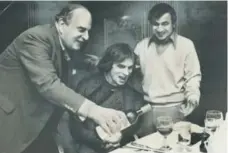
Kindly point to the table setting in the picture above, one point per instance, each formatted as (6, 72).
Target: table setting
(182, 137)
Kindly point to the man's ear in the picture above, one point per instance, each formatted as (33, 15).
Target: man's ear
(174, 26)
(61, 25)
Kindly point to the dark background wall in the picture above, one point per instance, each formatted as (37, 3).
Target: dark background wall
(203, 22)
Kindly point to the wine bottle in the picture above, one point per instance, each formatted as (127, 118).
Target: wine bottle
(133, 116)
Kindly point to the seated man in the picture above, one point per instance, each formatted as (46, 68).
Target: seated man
(108, 88)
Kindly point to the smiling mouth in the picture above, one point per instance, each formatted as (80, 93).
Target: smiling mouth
(122, 79)
(161, 35)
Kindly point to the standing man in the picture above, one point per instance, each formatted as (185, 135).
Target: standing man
(35, 74)
(170, 68)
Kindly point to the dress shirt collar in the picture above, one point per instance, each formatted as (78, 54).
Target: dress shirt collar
(172, 38)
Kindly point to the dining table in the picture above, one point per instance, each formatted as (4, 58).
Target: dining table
(153, 142)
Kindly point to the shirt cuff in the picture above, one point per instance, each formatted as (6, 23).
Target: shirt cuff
(85, 108)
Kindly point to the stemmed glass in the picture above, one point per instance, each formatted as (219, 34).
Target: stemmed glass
(213, 120)
(184, 136)
(165, 127)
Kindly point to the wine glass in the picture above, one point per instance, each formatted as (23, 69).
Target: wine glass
(213, 120)
(184, 136)
(165, 127)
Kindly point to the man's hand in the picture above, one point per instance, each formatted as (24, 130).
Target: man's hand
(188, 106)
(109, 119)
(110, 146)
(107, 138)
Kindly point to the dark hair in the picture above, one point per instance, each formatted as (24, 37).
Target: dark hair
(66, 13)
(158, 10)
(115, 53)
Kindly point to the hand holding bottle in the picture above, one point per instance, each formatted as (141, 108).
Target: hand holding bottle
(132, 117)
(109, 119)
(109, 138)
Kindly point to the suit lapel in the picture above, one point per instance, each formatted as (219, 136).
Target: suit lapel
(56, 54)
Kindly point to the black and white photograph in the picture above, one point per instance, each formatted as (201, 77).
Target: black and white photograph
(113, 76)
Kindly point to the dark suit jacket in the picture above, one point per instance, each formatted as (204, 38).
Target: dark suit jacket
(30, 85)
(97, 89)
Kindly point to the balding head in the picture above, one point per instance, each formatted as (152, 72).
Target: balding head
(67, 12)
(73, 24)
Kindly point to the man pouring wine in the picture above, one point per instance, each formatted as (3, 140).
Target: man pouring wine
(108, 88)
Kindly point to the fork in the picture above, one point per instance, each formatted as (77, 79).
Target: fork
(144, 147)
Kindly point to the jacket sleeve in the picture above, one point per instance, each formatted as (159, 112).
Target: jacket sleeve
(36, 60)
(84, 132)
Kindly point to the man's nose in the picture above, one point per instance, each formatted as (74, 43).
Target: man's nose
(86, 35)
(160, 28)
(126, 72)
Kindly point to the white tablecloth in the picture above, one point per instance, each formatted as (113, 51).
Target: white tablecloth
(155, 140)
(217, 142)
